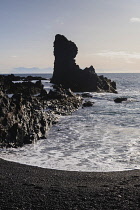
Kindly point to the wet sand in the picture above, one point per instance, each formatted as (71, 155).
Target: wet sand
(27, 187)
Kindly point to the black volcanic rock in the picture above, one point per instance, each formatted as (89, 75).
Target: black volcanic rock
(12, 77)
(120, 100)
(69, 75)
(86, 95)
(88, 104)
(26, 87)
(25, 118)
(22, 120)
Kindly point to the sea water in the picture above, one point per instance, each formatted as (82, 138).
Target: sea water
(105, 137)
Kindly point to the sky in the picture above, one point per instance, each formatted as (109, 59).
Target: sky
(106, 32)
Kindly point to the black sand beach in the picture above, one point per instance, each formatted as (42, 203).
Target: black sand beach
(27, 187)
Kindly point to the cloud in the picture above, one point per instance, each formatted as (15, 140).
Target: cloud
(119, 54)
(135, 20)
(13, 56)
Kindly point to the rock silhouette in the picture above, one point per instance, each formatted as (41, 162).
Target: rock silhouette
(68, 73)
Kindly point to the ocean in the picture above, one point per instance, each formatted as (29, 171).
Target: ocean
(105, 137)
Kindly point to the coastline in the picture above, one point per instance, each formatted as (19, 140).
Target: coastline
(30, 187)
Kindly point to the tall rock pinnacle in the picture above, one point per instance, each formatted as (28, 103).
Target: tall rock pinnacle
(69, 75)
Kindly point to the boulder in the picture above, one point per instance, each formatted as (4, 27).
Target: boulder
(87, 104)
(120, 100)
(68, 73)
(86, 95)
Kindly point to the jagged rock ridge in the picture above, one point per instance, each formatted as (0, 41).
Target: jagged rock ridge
(68, 73)
(24, 117)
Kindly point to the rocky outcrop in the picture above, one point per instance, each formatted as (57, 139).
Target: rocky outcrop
(69, 75)
(120, 100)
(22, 120)
(88, 104)
(12, 77)
(25, 118)
(26, 87)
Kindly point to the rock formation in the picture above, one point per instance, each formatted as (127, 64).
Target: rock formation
(69, 75)
(25, 118)
(87, 104)
(25, 86)
(120, 100)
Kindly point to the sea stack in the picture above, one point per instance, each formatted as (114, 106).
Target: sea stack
(68, 73)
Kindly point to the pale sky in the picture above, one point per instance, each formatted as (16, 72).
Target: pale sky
(106, 32)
